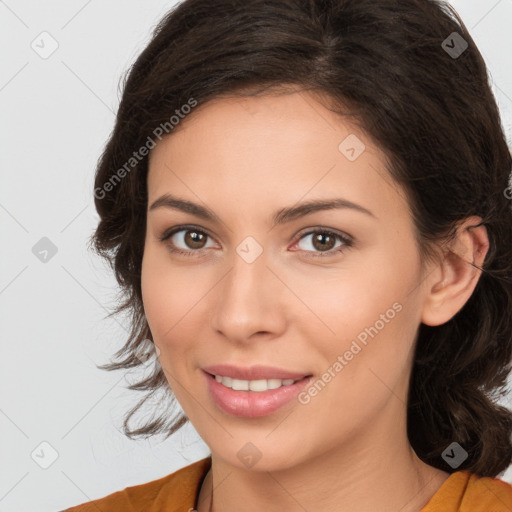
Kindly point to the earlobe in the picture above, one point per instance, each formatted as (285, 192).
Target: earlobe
(452, 282)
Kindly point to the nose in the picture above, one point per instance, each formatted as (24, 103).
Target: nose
(249, 300)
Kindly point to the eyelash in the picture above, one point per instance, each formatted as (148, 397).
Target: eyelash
(347, 241)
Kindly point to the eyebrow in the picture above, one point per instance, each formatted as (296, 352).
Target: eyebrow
(282, 216)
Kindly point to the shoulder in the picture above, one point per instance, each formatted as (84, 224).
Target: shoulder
(468, 492)
(176, 491)
(487, 494)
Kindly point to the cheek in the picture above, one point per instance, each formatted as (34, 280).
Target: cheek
(367, 313)
(163, 295)
(166, 307)
(153, 296)
(175, 298)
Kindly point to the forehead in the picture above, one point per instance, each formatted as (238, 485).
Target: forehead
(289, 145)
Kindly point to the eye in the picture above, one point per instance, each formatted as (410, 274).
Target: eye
(190, 240)
(186, 240)
(323, 241)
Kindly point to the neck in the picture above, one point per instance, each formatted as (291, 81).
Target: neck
(373, 474)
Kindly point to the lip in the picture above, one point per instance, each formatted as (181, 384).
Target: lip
(252, 404)
(257, 372)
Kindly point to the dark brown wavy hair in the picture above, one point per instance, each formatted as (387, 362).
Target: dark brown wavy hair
(396, 69)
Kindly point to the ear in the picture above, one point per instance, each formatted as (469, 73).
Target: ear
(451, 281)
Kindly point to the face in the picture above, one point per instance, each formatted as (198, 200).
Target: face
(331, 296)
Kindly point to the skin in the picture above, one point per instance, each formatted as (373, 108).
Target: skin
(347, 449)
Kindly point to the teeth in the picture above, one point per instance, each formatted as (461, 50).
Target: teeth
(253, 385)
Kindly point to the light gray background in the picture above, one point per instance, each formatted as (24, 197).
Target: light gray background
(56, 116)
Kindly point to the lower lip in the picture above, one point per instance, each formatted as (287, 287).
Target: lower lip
(253, 404)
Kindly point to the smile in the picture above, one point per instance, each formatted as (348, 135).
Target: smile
(253, 398)
(253, 385)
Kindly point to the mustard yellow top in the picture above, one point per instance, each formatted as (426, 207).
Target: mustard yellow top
(178, 492)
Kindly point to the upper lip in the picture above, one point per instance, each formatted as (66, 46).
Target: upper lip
(257, 372)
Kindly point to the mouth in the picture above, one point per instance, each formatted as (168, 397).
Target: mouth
(257, 385)
(253, 398)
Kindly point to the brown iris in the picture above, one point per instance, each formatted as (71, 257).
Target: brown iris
(320, 241)
(195, 239)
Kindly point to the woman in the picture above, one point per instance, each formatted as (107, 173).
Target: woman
(305, 203)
